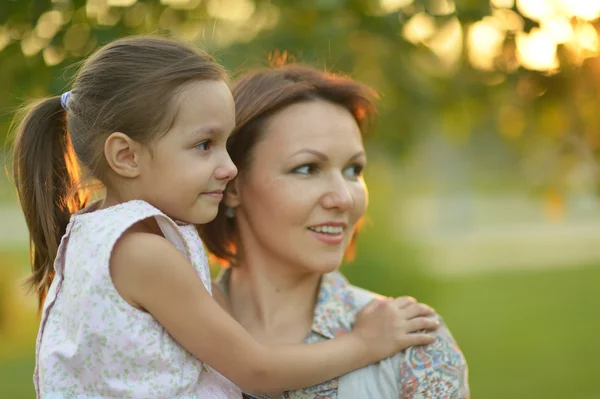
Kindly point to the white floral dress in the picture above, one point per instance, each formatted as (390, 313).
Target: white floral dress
(92, 343)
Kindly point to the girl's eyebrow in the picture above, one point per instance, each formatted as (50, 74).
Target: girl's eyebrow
(206, 131)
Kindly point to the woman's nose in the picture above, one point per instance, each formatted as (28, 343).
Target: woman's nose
(339, 197)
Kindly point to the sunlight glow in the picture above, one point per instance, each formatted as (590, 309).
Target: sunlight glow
(509, 20)
(537, 50)
(419, 28)
(53, 55)
(231, 10)
(587, 37)
(94, 8)
(447, 42)
(537, 9)
(503, 3)
(441, 7)
(49, 24)
(484, 41)
(585, 9)
(31, 44)
(4, 37)
(181, 4)
(561, 22)
(120, 3)
(389, 6)
(109, 18)
(560, 29)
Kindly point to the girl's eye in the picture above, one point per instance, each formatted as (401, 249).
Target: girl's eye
(204, 146)
(354, 171)
(305, 169)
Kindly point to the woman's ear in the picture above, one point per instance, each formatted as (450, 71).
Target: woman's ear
(122, 155)
(232, 194)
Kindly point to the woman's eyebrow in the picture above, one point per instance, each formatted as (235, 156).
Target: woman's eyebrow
(359, 154)
(318, 154)
(323, 156)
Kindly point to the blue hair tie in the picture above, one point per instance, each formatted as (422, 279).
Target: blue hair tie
(64, 99)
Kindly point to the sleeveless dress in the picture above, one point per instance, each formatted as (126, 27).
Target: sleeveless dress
(92, 343)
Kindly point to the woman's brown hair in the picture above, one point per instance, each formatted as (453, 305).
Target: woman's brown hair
(258, 96)
(126, 86)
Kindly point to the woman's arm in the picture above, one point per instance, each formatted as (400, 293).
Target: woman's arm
(151, 274)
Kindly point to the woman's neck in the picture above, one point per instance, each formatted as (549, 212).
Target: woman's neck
(273, 302)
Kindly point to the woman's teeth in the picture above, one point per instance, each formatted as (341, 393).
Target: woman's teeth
(333, 230)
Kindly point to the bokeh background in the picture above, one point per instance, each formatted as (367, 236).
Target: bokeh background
(482, 170)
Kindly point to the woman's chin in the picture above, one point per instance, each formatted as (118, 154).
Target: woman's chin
(326, 265)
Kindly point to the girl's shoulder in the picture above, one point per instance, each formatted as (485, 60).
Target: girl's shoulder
(133, 208)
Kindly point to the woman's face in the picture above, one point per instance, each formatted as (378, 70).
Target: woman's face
(298, 203)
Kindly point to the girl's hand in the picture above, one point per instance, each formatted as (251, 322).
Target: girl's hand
(388, 326)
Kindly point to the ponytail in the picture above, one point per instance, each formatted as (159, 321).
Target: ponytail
(47, 177)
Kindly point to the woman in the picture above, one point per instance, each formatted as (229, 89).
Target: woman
(289, 218)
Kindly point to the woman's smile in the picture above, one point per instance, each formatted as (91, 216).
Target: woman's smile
(331, 233)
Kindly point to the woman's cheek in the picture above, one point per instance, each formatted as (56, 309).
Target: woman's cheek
(361, 199)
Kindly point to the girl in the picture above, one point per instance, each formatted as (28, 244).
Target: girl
(127, 308)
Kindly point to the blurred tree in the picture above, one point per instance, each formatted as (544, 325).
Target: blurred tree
(524, 70)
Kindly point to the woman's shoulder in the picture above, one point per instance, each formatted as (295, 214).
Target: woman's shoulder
(360, 297)
(444, 347)
(437, 367)
(422, 369)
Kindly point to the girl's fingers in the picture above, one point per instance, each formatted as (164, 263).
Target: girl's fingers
(404, 301)
(417, 309)
(417, 339)
(422, 323)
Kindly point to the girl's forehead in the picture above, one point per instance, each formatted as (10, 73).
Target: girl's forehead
(205, 103)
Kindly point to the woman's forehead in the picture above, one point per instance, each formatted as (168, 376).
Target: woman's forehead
(314, 122)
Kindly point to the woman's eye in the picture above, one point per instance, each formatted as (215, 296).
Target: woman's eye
(354, 171)
(204, 146)
(305, 169)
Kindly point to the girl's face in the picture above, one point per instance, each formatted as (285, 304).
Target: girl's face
(187, 168)
(298, 203)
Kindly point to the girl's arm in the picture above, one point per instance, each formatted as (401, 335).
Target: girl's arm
(151, 274)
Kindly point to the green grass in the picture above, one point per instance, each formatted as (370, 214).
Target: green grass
(17, 332)
(530, 335)
(7, 190)
(16, 380)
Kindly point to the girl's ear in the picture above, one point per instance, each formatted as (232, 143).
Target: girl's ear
(123, 155)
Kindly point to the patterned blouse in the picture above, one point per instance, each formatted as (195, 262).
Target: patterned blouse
(438, 370)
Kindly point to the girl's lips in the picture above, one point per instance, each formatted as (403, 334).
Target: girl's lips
(214, 194)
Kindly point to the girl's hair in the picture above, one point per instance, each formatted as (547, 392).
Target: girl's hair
(257, 97)
(126, 86)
